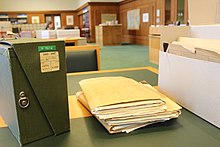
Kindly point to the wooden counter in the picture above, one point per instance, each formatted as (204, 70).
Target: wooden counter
(154, 44)
(108, 35)
(78, 41)
(154, 48)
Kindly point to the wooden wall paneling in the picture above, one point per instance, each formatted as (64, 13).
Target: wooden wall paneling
(160, 5)
(98, 15)
(173, 13)
(173, 10)
(13, 15)
(186, 11)
(174, 7)
(138, 36)
(96, 9)
(163, 11)
(80, 17)
(142, 34)
(91, 23)
(40, 15)
(123, 21)
(76, 20)
(63, 18)
(80, 12)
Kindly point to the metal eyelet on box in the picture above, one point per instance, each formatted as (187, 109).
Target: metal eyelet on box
(23, 101)
(22, 94)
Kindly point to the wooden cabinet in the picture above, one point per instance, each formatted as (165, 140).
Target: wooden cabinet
(109, 35)
(154, 44)
(154, 48)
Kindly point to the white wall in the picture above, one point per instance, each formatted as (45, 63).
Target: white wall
(37, 5)
(106, 0)
(44, 5)
(81, 2)
(203, 12)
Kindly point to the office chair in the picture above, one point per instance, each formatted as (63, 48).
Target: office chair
(81, 60)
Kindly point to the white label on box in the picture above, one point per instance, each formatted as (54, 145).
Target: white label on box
(49, 61)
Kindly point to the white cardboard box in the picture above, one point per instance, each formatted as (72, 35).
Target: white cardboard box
(192, 83)
(73, 33)
(46, 34)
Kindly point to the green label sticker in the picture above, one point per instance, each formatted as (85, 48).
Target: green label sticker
(47, 48)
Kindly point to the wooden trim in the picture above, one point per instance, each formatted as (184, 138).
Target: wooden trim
(83, 6)
(173, 10)
(103, 3)
(2, 123)
(88, 4)
(186, 13)
(86, 47)
(81, 12)
(163, 11)
(125, 2)
(108, 71)
(76, 109)
(154, 70)
(156, 87)
(72, 40)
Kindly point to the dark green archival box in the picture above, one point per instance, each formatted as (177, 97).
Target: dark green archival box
(33, 87)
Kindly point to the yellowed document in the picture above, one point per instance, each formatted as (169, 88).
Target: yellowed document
(115, 90)
(123, 105)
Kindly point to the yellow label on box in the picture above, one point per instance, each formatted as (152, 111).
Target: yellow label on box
(49, 61)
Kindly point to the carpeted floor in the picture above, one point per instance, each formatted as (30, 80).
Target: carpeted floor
(125, 56)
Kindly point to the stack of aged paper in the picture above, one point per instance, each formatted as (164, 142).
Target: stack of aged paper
(123, 105)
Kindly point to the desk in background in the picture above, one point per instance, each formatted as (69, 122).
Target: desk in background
(108, 35)
(79, 41)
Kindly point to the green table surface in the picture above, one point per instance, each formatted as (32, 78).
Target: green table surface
(187, 131)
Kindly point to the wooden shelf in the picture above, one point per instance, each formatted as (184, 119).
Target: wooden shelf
(154, 48)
